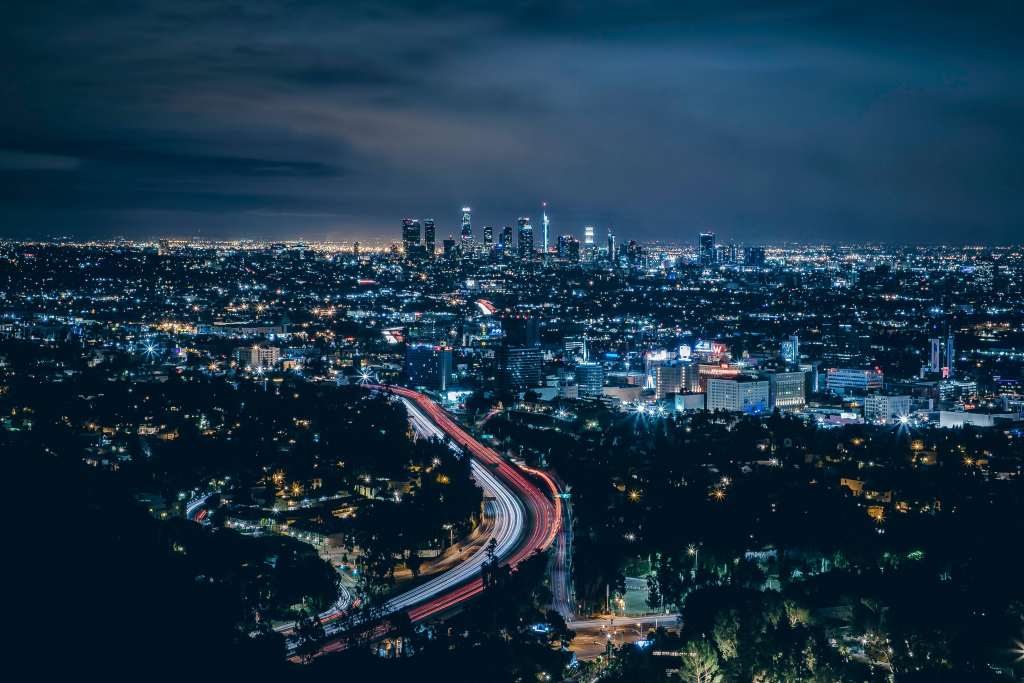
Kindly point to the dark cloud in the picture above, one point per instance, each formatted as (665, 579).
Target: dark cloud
(794, 120)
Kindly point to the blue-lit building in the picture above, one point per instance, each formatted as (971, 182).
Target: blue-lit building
(520, 367)
(590, 380)
(427, 365)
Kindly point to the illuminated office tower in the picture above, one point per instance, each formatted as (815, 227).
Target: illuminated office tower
(843, 381)
(611, 244)
(590, 380)
(525, 238)
(740, 395)
(787, 390)
(935, 357)
(563, 246)
(428, 236)
(706, 248)
(545, 222)
(410, 235)
(791, 350)
(588, 235)
(669, 378)
(427, 365)
(950, 356)
(467, 228)
(754, 256)
(519, 367)
(488, 237)
(505, 244)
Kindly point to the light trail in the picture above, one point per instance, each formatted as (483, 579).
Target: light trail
(526, 520)
(193, 506)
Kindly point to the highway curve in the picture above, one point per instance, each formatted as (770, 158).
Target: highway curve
(518, 535)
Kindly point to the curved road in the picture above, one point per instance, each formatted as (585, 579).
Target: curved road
(526, 519)
(195, 510)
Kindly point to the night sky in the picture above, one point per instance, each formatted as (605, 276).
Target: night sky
(275, 119)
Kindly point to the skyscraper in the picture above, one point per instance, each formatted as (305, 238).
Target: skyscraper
(563, 246)
(525, 238)
(669, 378)
(590, 380)
(790, 351)
(935, 357)
(706, 248)
(467, 228)
(427, 365)
(519, 367)
(754, 256)
(505, 241)
(950, 356)
(428, 237)
(611, 244)
(488, 237)
(410, 235)
(588, 235)
(546, 222)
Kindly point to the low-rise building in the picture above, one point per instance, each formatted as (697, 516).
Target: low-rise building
(883, 409)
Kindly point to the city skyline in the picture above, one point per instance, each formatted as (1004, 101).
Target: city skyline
(536, 341)
(809, 122)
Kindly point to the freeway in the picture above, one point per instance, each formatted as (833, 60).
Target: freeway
(509, 522)
(526, 519)
(561, 568)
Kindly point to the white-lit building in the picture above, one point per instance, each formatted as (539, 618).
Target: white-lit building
(882, 409)
(849, 380)
(257, 356)
(787, 390)
(739, 395)
(687, 402)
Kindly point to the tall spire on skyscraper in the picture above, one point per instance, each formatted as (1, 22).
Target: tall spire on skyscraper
(546, 221)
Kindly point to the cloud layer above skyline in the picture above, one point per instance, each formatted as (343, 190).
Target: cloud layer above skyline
(279, 119)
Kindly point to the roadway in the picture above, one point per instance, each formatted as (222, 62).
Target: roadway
(526, 519)
(561, 568)
(196, 511)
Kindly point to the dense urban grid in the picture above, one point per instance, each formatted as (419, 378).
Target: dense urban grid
(520, 453)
